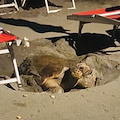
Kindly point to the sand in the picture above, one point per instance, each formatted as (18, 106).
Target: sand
(48, 35)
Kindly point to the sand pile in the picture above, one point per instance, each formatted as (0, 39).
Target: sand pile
(50, 58)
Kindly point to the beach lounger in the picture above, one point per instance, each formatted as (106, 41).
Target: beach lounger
(52, 11)
(13, 4)
(9, 39)
(109, 15)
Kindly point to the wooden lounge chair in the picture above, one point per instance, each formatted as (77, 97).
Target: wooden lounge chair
(105, 16)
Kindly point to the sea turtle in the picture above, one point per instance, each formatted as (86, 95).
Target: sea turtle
(66, 80)
(55, 77)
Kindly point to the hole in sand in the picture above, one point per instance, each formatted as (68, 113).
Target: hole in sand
(59, 75)
(55, 67)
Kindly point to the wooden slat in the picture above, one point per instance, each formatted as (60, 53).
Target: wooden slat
(93, 19)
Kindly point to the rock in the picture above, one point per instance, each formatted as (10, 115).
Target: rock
(52, 96)
(25, 95)
(18, 117)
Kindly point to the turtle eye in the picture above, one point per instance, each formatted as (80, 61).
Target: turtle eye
(76, 70)
(81, 68)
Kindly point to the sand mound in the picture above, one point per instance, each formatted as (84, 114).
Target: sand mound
(52, 57)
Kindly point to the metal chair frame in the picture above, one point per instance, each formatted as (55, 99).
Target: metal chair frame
(13, 4)
(52, 11)
(10, 51)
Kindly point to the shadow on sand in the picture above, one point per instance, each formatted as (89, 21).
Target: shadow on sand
(83, 44)
(40, 28)
(116, 34)
(38, 3)
(87, 42)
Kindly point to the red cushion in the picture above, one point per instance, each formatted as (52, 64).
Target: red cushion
(114, 16)
(99, 11)
(7, 37)
(103, 11)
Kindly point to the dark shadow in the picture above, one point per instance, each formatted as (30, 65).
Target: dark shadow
(117, 34)
(40, 28)
(112, 8)
(87, 42)
(37, 4)
(9, 86)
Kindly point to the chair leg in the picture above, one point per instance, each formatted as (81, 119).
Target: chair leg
(48, 10)
(80, 27)
(114, 35)
(17, 72)
(74, 7)
(23, 3)
(16, 5)
(14, 64)
(114, 32)
(13, 4)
